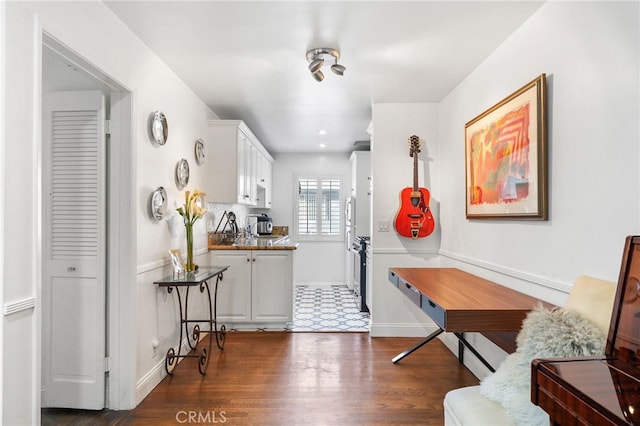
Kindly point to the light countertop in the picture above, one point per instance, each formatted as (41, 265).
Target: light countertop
(263, 242)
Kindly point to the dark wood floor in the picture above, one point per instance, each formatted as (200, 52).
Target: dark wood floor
(283, 378)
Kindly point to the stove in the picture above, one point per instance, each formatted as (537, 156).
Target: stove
(360, 244)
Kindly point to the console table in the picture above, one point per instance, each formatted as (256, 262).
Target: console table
(460, 302)
(185, 282)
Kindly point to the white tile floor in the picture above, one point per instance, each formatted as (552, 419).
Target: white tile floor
(327, 308)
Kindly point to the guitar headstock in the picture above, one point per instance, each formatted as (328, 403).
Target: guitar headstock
(414, 145)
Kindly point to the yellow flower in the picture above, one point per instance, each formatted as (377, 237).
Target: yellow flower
(190, 211)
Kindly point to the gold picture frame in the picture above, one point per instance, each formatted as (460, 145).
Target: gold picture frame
(506, 157)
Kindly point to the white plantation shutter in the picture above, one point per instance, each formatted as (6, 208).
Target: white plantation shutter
(318, 209)
(330, 207)
(74, 184)
(307, 207)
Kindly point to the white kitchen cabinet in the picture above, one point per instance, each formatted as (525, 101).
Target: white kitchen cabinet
(257, 288)
(361, 190)
(233, 156)
(272, 286)
(234, 292)
(264, 182)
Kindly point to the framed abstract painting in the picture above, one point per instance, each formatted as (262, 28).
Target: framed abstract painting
(506, 157)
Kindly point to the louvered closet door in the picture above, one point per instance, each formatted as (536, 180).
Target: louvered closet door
(73, 320)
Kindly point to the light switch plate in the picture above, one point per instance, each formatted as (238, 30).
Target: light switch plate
(383, 226)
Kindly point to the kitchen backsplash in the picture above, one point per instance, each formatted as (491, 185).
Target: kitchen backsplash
(280, 230)
(215, 212)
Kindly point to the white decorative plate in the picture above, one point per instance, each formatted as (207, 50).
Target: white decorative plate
(182, 174)
(199, 152)
(158, 203)
(158, 128)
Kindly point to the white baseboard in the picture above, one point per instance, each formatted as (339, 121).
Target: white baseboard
(154, 376)
(149, 381)
(322, 284)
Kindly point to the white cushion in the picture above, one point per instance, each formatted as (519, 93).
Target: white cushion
(466, 406)
(593, 299)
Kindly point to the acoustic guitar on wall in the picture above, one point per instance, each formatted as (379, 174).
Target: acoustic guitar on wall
(414, 218)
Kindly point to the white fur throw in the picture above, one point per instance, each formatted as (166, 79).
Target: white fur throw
(544, 334)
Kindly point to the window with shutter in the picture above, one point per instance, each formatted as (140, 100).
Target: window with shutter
(318, 208)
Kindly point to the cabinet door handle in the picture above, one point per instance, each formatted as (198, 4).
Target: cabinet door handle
(253, 260)
(248, 260)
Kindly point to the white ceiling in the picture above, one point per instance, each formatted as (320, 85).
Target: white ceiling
(246, 60)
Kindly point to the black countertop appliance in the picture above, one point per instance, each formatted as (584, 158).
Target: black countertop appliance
(264, 225)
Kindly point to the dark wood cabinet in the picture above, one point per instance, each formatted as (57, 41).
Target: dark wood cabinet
(599, 391)
(585, 392)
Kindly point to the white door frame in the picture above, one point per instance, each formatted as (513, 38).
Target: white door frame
(2, 192)
(121, 226)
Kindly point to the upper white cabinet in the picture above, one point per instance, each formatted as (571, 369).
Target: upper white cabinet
(235, 162)
(361, 190)
(264, 182)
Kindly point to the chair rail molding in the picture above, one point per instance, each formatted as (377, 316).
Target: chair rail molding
(514, 273)
(19, 306)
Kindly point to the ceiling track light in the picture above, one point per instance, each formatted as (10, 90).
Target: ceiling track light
(316, 61)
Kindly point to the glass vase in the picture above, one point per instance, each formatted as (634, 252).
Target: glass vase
(190, 266)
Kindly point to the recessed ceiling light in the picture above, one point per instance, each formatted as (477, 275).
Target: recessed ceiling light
(322, 132)
(323, 146)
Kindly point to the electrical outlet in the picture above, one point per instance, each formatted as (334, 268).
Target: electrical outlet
(383, 226)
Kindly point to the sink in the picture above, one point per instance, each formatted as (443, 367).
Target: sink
(262, 240)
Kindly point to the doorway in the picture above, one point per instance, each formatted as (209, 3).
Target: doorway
(96, 349)
(327, 308)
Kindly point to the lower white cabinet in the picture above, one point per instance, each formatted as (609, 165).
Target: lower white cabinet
(257, 288)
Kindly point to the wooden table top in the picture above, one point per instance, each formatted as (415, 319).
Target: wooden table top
(470, 303)
(454, 289)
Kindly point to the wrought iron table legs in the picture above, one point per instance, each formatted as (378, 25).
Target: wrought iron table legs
(193, 338)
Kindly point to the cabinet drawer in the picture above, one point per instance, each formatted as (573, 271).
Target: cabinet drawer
(435, 312)
(410, 291)
(393, 278)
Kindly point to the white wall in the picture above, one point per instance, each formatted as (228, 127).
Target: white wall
(95, 34)
(392, 168)
(590, 53)
(314, 261)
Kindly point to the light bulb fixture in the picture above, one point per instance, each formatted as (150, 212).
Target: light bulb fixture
(316, 61)
(315, 65)
(337, 68)
(318, 75)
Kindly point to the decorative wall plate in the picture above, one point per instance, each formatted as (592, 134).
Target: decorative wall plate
(158, 203)
(182, 174)
(158, 128)
(199, 152)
